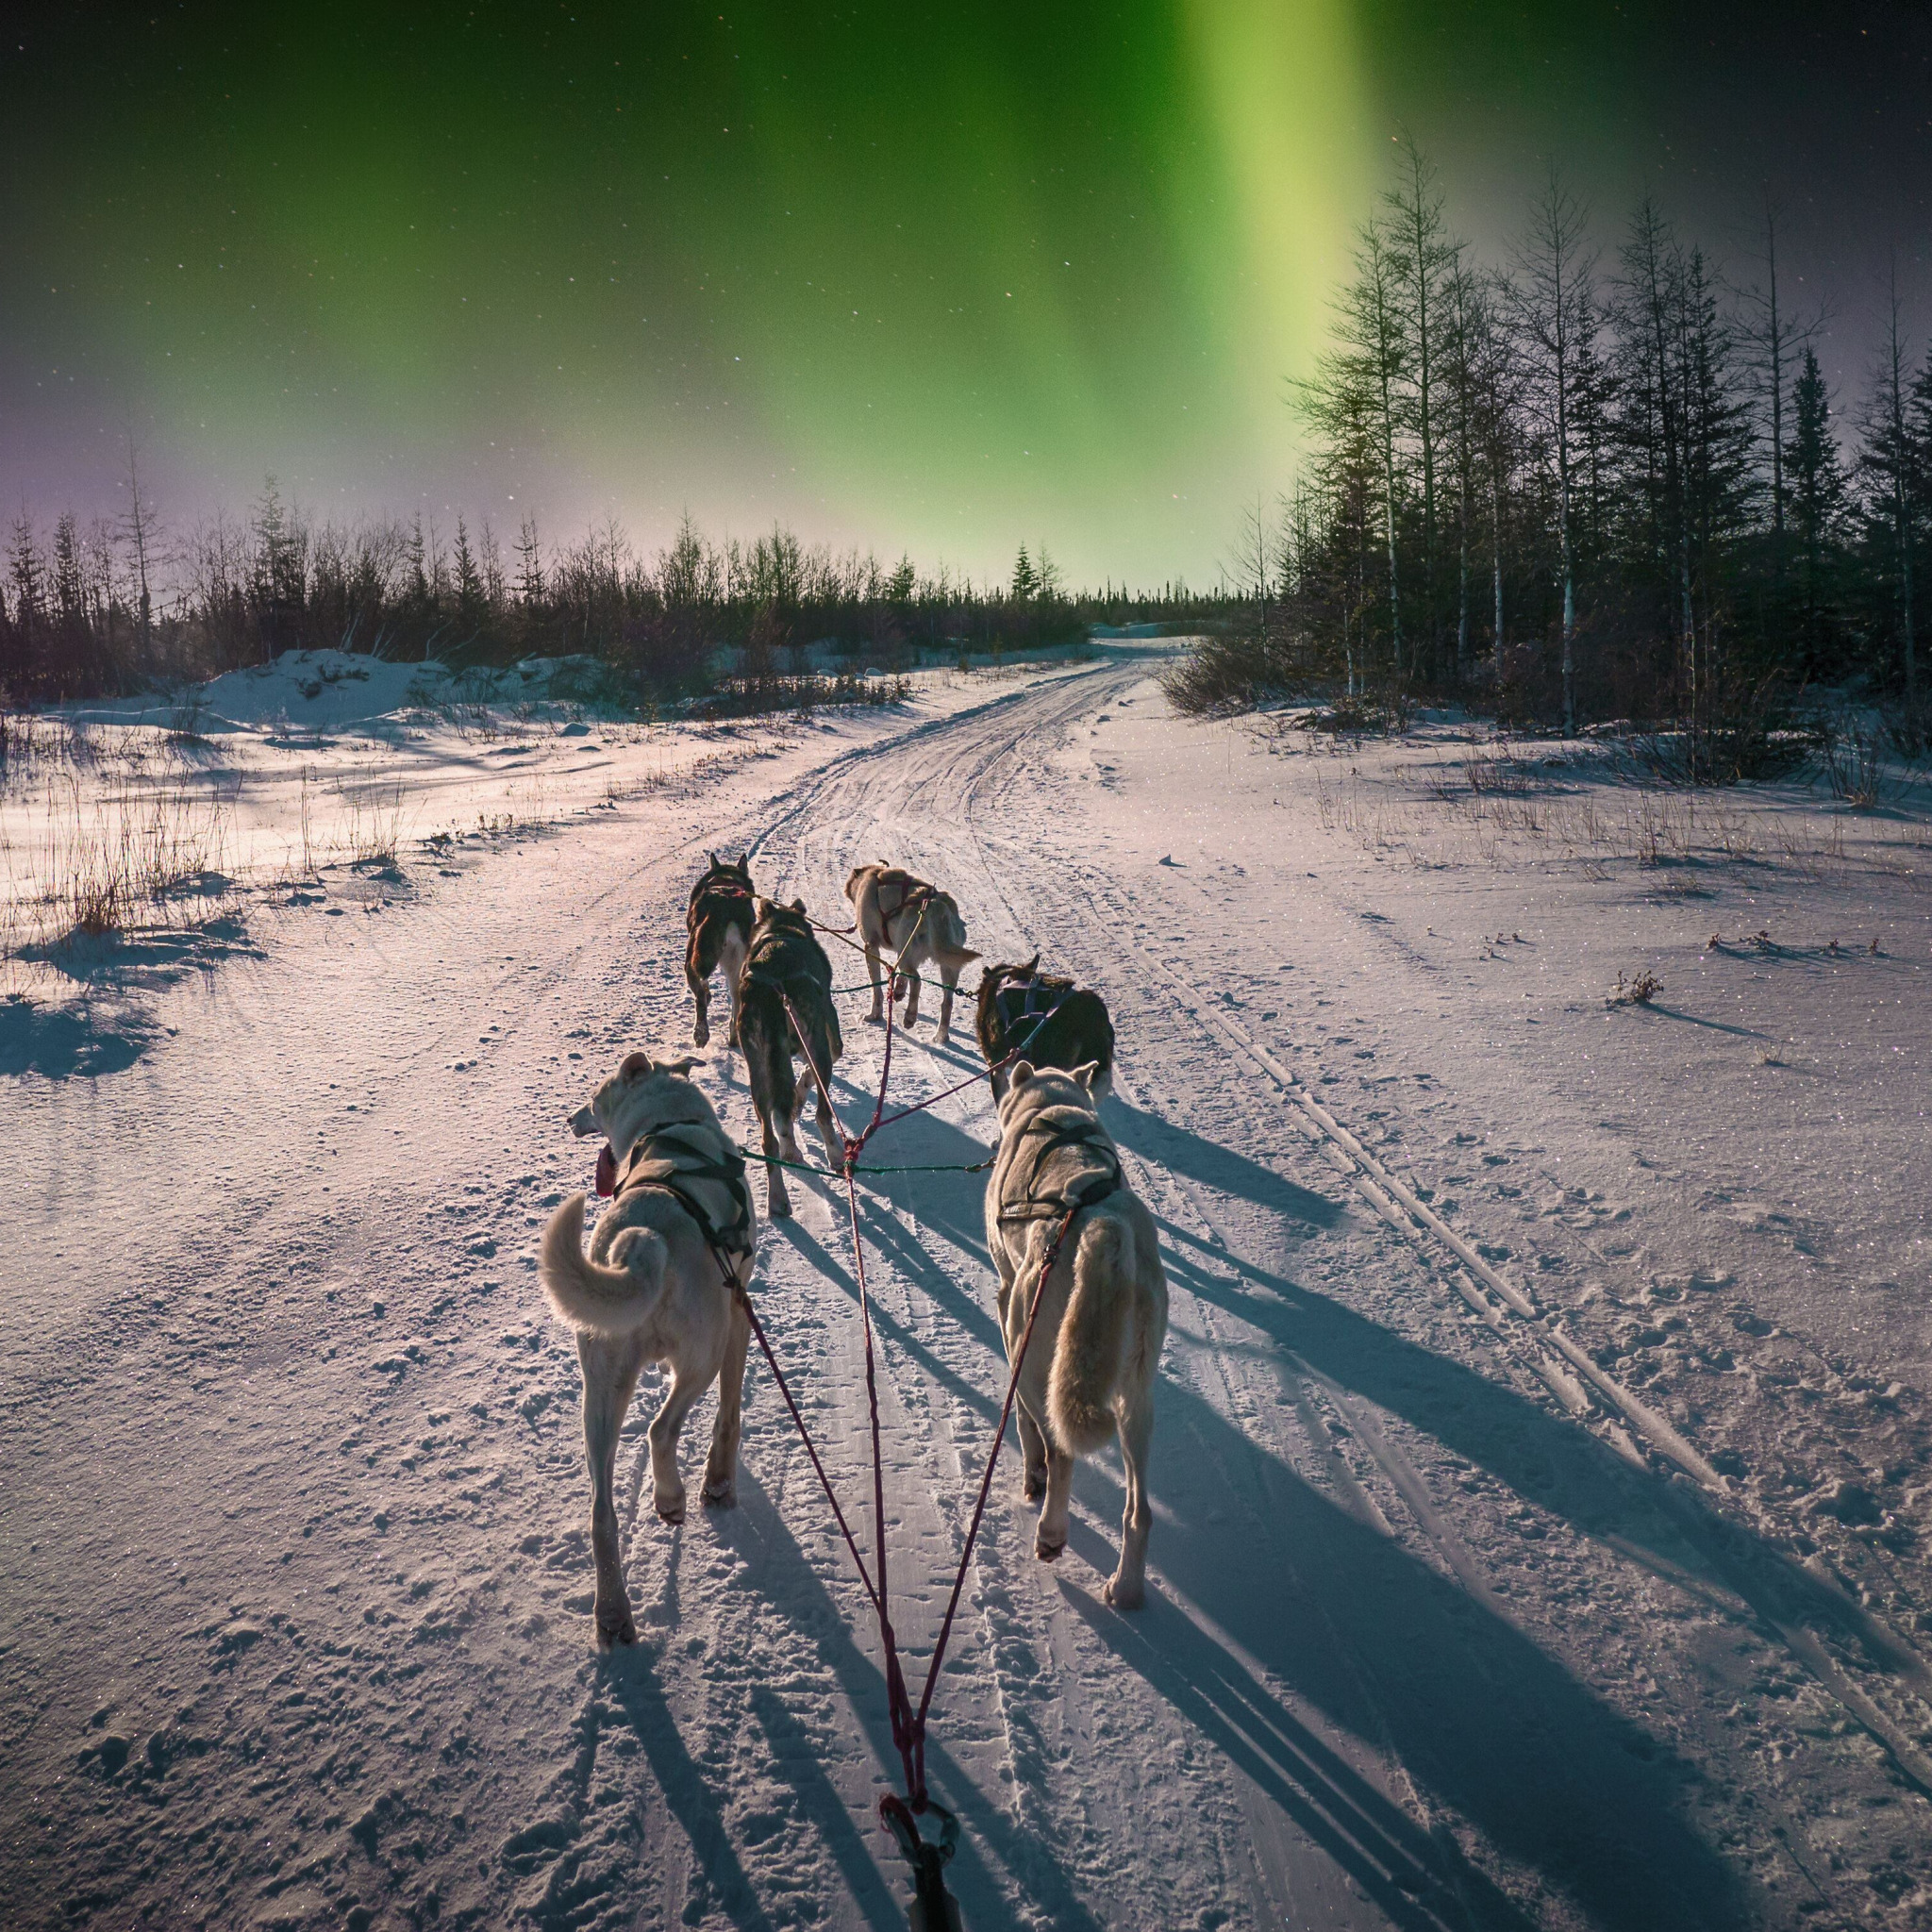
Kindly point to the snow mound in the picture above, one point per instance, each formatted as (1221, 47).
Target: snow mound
(333, 690)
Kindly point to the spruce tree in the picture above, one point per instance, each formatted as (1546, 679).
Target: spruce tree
(1816, 494)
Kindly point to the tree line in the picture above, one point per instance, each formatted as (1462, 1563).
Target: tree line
(121, 604)
(1597, 480)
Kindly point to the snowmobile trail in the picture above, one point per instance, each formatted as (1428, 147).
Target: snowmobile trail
(1440, 1635)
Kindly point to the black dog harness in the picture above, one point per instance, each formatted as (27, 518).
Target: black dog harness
(1044, 1134)
(1035, 998)
(696, 1165)
(783, 957)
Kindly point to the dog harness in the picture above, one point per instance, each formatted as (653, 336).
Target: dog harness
(916, 893)
(1035, 998)
(723, 885)
(695, 1163)
(782, 957)
(1043, 1136)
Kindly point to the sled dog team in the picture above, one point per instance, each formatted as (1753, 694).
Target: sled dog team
(673, 1255)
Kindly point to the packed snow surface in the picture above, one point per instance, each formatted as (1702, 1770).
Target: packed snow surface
(1540, 1468)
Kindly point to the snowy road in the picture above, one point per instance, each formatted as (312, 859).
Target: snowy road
(1440, 1631)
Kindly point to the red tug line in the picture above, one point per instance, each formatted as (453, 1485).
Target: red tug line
(898, 1814)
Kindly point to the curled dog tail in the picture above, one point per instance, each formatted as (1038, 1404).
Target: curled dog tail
(1086, 1358)
(587, 1295)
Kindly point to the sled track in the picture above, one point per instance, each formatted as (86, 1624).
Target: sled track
(949, 809)
(1529, 1335)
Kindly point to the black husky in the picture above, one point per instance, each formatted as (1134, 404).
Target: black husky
(1051, 1021)
(718, 921)
(786, 973)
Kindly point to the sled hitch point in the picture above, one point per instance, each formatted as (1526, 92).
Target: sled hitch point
(934, 1909)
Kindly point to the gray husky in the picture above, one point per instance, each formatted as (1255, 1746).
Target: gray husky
(786, 975)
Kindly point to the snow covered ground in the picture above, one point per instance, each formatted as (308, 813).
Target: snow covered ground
(1541, 1469)
(166, 832)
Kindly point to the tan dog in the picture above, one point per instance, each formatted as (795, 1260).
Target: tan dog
(922, 927)
(653, 1290)
(1103, 1313)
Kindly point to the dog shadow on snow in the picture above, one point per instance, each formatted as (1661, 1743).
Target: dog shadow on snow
(1345, 1620)
(990, 1842)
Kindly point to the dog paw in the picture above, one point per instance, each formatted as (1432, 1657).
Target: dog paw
(615, 1627)
(670, 1508)
(1048, 1552)
(778, 1209)
(721, 1495)
(701, 1036)
(1035, 1486)
(1123, 1594)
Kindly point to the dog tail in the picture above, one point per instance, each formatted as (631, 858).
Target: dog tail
(949, 945)
(1087, 1359)
(587, 1295)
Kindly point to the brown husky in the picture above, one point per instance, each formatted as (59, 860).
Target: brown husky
(718, 921)
(787, 974)
(922, 927)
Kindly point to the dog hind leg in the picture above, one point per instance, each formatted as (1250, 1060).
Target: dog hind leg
(787, 1108)
(762, 1069)
(1050, 1533)
(611, 1376)
(720, 1466)
(732, 956)
(667, 1486)
(825, 1049)
(877, 1016)
(697, 976)
(1032, 1445)
(1126, 1588)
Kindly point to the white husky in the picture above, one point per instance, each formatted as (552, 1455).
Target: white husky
(653, 1290)
(922, 927)
(1102, 1315)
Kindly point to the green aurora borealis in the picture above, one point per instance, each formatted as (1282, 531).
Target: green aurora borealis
(939, 279)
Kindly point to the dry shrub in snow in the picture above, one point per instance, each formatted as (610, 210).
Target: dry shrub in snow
(1634, 992)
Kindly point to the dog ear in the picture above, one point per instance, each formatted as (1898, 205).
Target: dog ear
(1028, 971)
(798, 904)
(682, 1066)
(1088, 1073)
(743, 858)
(714, 858)
(1023, 1072)
(635, 1065)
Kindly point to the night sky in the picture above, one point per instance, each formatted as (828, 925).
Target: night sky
(933, 279)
